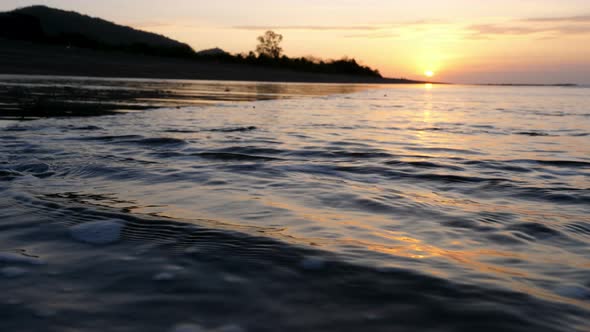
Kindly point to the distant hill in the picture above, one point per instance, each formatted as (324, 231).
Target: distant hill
(212, 51)
(55, 26)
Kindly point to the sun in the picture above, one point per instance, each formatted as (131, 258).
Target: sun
(429, 73)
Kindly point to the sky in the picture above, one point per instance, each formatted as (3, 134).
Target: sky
(461, 41)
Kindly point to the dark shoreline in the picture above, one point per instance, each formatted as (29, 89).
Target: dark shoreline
(29, 97)
(24, 58)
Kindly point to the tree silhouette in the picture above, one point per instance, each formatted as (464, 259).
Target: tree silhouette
(269, 44)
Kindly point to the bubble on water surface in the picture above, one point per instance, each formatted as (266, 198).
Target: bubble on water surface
(188, 328)
(230, 328)
(13, 272)
(313, 263)
(164, 276)
(14, 258)
(574, 292)
(97, 232)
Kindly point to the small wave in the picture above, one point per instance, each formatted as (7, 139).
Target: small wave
(234, 129)
(449, 178)
(40, 170)
(249, 150)
(340, 144)
(445, 150)
(533, 133)
(168, 154)
(494, 217)
(180, 131)
(222, 154)
(83, 128)
(338, 154)
(18, 128)
(579, 228)
(393, 174)
(559, 114)
(233, 156)
(428, 129)
(137, 139)
(497, 165)
(535, 230)
(103, 171)
(157, 141)
(553, 195)
(558, 163)
(208, 254)
(423, 164)
(19, 258)
(111, 138)
(9, 174)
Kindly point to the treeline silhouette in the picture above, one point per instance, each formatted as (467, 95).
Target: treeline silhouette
(41, 24)
(342, 66)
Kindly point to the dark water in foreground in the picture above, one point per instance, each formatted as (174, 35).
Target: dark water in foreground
(329, 208)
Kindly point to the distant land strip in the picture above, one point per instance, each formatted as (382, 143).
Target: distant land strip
(27, 58)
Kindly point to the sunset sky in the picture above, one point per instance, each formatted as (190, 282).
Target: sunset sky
(500, 41)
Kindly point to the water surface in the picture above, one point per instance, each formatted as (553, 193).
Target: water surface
(299, 207)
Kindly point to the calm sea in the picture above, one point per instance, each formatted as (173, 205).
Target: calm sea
(297, 207)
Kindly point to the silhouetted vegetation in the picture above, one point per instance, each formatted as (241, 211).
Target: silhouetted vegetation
(343, 66)
(42, 24)
(269, 45)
